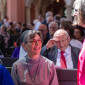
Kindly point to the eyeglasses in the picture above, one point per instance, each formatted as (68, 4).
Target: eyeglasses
(42, 30)
(52, 28)
(62, 41)
(34, 41)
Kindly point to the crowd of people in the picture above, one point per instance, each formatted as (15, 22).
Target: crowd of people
(45, 45)
(10, 32)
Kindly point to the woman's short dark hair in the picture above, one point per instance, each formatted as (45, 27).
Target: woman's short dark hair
(81, 29)
(69, 28)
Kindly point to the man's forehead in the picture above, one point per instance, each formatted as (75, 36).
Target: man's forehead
(42, 26)
(59, 35)
(52, 24)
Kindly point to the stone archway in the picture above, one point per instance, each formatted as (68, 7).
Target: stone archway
(56, 6)
(41, 7)
(51, 5)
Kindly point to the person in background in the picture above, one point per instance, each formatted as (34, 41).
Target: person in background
(50, 19)
(43, 29)
(34, 69)
(57, 18)
(18, 27)
(1, 22)
(11, 30)
(48, 14)
(5, 77)
(30, 26)
(6, 23)
(2, 47)
(79, 33)
(38, 22)
(6, 37)
(79, 8)
(52, 27)
(24, 27)
(67, 25)
(16, 50)
(62, 20)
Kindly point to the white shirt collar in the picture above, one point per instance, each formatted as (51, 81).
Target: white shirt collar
(68, 49)
(68, 58)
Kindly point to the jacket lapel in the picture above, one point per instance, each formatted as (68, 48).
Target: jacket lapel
(74, 57)
(52, 55)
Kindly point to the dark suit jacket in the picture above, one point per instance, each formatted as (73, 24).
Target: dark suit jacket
(52, 54)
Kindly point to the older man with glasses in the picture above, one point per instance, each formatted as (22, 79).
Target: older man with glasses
(52, 27)
(60, 52)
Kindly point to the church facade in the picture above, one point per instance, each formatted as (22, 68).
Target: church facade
(28, 10)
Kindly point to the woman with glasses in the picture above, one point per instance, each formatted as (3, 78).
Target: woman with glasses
(33, 69)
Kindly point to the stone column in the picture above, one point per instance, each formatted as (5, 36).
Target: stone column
(16, 10)
(69, 12)
(28, 14)
(69, 5)
(28, 9)
(2, 8)
(36, 11)
(37, 7)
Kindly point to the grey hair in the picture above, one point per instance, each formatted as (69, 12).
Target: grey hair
(31, 35)
(59, 30)
(53, 22)
(4, 27)
(49, 13)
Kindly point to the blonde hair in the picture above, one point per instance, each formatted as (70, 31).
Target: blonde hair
(80, 6)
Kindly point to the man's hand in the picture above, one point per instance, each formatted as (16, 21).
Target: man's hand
(50, 43)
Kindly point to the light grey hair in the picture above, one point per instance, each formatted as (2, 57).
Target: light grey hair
(49, 13)
(59, 30)
(53, 22)
(4, 28)
(30, 35)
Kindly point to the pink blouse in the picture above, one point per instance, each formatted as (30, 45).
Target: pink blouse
(81, 66)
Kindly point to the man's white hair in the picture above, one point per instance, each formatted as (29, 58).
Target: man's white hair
(49, 13)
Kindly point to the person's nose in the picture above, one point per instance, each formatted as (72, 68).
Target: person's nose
(61, 43)
(36, 42)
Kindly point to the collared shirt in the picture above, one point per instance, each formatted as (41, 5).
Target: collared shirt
(76, 43)
(68, 58)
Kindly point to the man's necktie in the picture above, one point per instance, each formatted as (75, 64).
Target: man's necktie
(62, 60)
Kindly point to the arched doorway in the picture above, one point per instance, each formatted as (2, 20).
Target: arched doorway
(56, 7)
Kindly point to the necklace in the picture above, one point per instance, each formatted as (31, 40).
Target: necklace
(33, 78)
